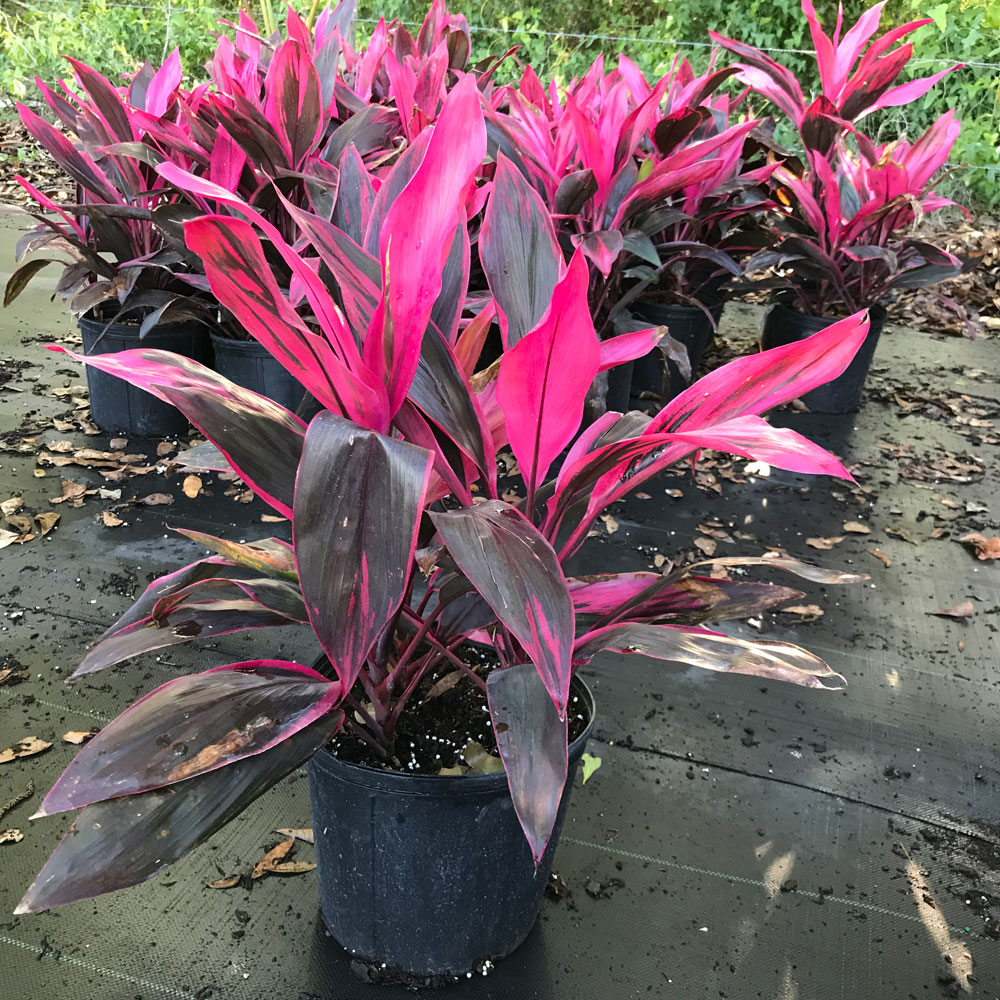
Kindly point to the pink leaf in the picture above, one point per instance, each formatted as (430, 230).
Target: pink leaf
(544, 378)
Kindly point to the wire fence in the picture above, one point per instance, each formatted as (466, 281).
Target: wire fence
(231, 13)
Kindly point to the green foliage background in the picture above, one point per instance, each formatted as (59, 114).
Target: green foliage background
(115, 36)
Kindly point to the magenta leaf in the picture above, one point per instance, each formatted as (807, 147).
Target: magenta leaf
(261, 440)
(193, 724)
(517, 573)
(519, 252)
(625, 347)
(124, 841)
(532, 740)
(242, 281)
(293, 100)
(696, 647)
(358, 501)
(415, 240)
(544, 378)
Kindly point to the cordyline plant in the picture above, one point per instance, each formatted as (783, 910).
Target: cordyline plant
(647, 180)
(113, 242)
(402, 551)
(841, 210)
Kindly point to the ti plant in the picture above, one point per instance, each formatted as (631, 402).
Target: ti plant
(837, 235)
(402, 550)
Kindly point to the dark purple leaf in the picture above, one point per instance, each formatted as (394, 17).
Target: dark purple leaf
(125, 841)
(193, 724)
(519, 253)
(532, 740)
(358, 502)
(517, 573)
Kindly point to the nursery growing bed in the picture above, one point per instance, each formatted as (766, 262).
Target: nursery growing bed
(737, 841)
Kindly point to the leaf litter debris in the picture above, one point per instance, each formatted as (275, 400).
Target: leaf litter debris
(28, 747)
(966, 609)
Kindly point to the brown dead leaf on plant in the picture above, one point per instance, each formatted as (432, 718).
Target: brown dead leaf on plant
(824, 543)
(28, 747)
(966, 609)
(985, 548)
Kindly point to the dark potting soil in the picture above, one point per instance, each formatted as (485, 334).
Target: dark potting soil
(433, 732)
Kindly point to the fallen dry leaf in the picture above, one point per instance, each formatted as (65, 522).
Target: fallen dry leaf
(164, 448)
(272, 857)
(110, 519)
(659, 559)
(224, 883)
(642, 496)
(70, 491)
(47, 520)
(27, 747)
(824, 543)
(61, 447)
(809, 612)
(610, 523)
(117, 444)
(7, 537)
(906, 536)
(882, 557)
(985, 548)
(11, 837)
(292, 867)
(706, 545)
(9, 507)
(38, 473)
(857, 528)
(966, 609)
(272, 518)
(156, 500)
(79, 737)
(192, 486)
(299, 833)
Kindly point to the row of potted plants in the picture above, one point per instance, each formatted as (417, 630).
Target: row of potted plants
(672, 189)
(445, 266)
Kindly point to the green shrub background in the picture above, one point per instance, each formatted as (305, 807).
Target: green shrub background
(115, 36)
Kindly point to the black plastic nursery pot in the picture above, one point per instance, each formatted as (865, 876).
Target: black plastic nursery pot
(688, 324)
(427, 877)
(118, 407)
(843, 394)
(248, 363)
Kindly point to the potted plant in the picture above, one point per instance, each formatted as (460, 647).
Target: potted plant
(838, 237)
(414, 575)
(651, 182)
(124, 279)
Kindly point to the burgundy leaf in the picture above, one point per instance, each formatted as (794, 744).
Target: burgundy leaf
(261, 440)
(517, 573)
(532, 740)
(358, 501)
(125, 841)
(519, 253)
(193, 724)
